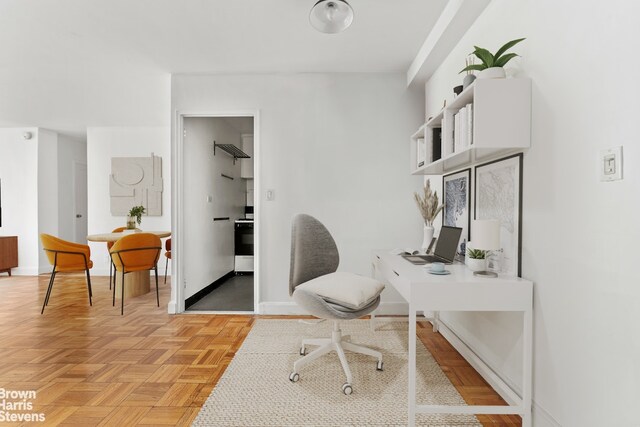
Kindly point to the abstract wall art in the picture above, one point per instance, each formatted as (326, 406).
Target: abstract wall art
(456, 190)
(136, 181)
(498, 195)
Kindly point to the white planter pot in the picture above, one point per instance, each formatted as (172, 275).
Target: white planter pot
(492, 73)
(426, 237)
(476, 264)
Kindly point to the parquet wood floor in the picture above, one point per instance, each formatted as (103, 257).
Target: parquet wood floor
(90, 366)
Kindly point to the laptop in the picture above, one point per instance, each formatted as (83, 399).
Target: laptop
(445, 251)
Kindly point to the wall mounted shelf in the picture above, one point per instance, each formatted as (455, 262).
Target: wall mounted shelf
(232, 150)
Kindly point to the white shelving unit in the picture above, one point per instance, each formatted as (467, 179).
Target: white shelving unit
(501, 125)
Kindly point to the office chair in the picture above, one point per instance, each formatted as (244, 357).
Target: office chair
(135, 252)
(315, 285)
(65, 257)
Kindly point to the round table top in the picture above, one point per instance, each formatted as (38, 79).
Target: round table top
(112, 237)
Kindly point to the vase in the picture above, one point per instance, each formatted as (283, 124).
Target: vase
(427, 236)
(468, 79)
(492, 73)
(131, 222)
(476, 264)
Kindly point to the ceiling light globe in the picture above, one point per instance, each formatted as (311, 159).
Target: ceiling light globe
(331, 16)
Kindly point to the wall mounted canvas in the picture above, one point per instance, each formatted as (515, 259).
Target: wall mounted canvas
(136, 181)
(456, 189)
(498, 195)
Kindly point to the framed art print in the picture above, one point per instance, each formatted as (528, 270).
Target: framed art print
(498, 195)
(456, 194)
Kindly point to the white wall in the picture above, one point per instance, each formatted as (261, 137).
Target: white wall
(19, 175)
(331, 145)
(103, 143)
(579, 235)
(209, 252)
(70, 151)
(47, 190)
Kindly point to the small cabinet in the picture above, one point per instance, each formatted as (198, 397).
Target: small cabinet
(246, 165)
(490, 118)
(8, 253)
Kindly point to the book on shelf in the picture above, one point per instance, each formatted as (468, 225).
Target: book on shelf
(469, 108)
(446, 136)
(455, 145)
(461, 143)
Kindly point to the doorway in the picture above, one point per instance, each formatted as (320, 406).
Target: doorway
(80, 202)
(214, 230)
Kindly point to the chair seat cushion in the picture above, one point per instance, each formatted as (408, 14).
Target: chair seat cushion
(345, 289)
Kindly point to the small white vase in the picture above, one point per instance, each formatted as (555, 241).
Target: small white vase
(427, 237)
(492, 73)
(475, 264)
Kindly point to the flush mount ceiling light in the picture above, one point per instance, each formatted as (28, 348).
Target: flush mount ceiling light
(331, 16)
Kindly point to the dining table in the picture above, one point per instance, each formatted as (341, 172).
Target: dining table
(137, 282)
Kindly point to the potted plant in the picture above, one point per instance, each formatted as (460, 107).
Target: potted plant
(135, 215)
(492, 64)
(429, 209)
(476, 259)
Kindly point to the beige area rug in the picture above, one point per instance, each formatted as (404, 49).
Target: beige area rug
(255, 389)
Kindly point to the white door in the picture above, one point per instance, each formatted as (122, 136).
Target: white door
(80, 202)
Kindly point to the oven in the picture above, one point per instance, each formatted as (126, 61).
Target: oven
(243, 237)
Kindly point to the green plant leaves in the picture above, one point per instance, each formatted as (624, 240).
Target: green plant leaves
(502, 61)
(485, 56)
(475, 67)
(506, 47)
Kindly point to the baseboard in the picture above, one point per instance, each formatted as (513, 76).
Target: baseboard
(105, 272)
(291, 308)
(25, 271)
(504, 388)
(172, 307)
(188, 302)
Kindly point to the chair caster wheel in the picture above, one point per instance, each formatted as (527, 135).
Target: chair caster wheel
(303, 351)
(380, 366)
(294, 377)
(346, 389)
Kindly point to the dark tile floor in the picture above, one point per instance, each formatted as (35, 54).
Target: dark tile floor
(235, 294)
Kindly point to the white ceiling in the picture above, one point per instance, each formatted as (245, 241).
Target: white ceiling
(212, 36)
(71, 64)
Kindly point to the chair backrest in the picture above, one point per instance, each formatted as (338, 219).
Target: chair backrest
(52, 244)
(115, 230)
(167, 245)
(136, 251)
(313, 251)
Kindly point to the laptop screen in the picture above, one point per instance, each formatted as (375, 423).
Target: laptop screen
(448, 242)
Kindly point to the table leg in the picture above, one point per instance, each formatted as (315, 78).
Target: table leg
(527, 368)
(412, 366)
(136, 283)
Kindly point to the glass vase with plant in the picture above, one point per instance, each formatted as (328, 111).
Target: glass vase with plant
(135, 215)
(429, 207)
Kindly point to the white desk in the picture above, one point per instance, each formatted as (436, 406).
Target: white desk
(459, 291)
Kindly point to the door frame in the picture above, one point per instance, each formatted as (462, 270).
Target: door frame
(176, 304)
(74, 170)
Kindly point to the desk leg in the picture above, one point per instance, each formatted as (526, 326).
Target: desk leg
(412, 366)
(527, 368)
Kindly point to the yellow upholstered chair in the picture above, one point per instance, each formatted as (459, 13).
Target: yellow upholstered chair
(65, 257)
(167, 253)
(135, 252)
(109, 246)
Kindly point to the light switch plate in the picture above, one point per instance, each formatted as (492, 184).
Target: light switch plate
(610, 164)
(271, 195)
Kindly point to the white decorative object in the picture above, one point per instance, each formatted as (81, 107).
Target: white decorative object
(492, 73)
(427, 237)
(486, 237)
(136, 181)
(476, 264)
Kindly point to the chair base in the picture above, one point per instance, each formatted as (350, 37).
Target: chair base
(338, 343)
